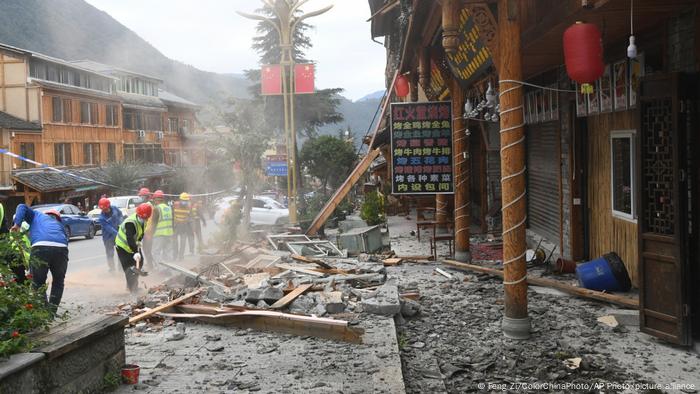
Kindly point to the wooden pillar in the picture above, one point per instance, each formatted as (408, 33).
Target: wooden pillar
(424, 67)
(516, 323)
(413, 82)
(450, 25)
(462, 175)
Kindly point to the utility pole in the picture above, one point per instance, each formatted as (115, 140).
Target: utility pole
(288, 16)
(516, 322)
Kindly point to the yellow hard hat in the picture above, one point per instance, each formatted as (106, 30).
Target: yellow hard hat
(184, 196)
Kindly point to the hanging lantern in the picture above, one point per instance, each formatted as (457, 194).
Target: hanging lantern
(401, 86)
(583, 54)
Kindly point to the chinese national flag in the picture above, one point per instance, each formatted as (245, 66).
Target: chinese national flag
(304, 78)
(271, 79)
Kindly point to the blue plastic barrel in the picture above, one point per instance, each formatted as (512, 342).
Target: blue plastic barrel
(597, 275)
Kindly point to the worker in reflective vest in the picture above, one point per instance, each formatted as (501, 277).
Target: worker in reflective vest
(128, 244)
(163, 232)
(182, 211)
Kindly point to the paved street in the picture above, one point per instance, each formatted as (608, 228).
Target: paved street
(90, 287)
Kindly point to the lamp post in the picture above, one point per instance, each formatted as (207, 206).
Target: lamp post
(288, 16)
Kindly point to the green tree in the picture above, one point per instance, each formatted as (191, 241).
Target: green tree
(245, 145)
(329, 159)
(125, 175)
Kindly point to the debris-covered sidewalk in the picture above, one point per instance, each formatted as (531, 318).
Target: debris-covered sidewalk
(455, 344)
(284, 314)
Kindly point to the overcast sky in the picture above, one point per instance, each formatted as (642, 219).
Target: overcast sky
(209, 35)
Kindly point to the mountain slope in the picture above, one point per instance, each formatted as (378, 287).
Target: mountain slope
(75, 30)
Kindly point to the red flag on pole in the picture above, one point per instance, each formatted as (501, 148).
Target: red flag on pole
(271, 79)
(304, 78)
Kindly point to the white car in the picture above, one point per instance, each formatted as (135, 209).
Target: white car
(127, 204)
(264, 212)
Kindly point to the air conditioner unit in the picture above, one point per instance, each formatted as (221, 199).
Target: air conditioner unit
(159, 135)
(142, 134)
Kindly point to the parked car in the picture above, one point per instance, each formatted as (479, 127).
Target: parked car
(77, 223)
(127, 204)
(264, 212)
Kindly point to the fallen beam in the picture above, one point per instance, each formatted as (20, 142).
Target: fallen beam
(284, 301)
(309, 260)
(280, 322)
(167, 305)
(627, 302)
(343, 190)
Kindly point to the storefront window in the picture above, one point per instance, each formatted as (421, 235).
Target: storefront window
(622, 166)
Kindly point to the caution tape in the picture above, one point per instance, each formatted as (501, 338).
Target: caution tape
(54, 169)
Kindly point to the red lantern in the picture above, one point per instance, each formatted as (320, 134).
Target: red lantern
(583, 53)
(401, 86)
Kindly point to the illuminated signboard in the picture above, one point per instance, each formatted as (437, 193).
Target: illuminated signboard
(421, 147)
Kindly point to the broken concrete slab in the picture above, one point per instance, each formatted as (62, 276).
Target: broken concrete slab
(271, 295)
(332, 301)
(386, 300)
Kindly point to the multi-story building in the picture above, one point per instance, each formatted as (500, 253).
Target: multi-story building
(83, 114)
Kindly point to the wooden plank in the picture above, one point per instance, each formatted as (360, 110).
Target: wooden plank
(411, 295)
(280, 322)
(392, 262)
(300, 269)
(342, 191)
(284, 301)
(167, 305)
(627, 302)
(444, 273)
(65, 338)
(309, 260)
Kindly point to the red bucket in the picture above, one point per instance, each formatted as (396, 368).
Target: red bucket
(130, 373)
(565, 266)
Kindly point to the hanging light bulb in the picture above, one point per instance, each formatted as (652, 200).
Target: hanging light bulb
(468, 107)
(632, 48)
(490, 96)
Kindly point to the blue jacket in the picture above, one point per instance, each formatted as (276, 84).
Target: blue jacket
(110, 223)
(43, 229)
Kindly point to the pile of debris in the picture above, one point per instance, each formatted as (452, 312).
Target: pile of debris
(289, 284)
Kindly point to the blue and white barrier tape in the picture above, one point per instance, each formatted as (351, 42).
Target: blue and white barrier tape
(48, 167)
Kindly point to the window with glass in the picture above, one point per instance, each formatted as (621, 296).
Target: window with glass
(111, 152)
(112, 115)
(62, 154)
(91, 154)
(622, 174)
(57, 106)
(26, 149)
(173, 124)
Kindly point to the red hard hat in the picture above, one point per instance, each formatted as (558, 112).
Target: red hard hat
(144, 211)
(144, 192)
(104, 203)
(158, 194)
(54, 213)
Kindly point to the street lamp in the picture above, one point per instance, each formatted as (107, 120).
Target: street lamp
(289, 16)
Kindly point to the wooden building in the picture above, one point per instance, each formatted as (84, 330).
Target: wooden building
(612, 171)
(86, 114)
